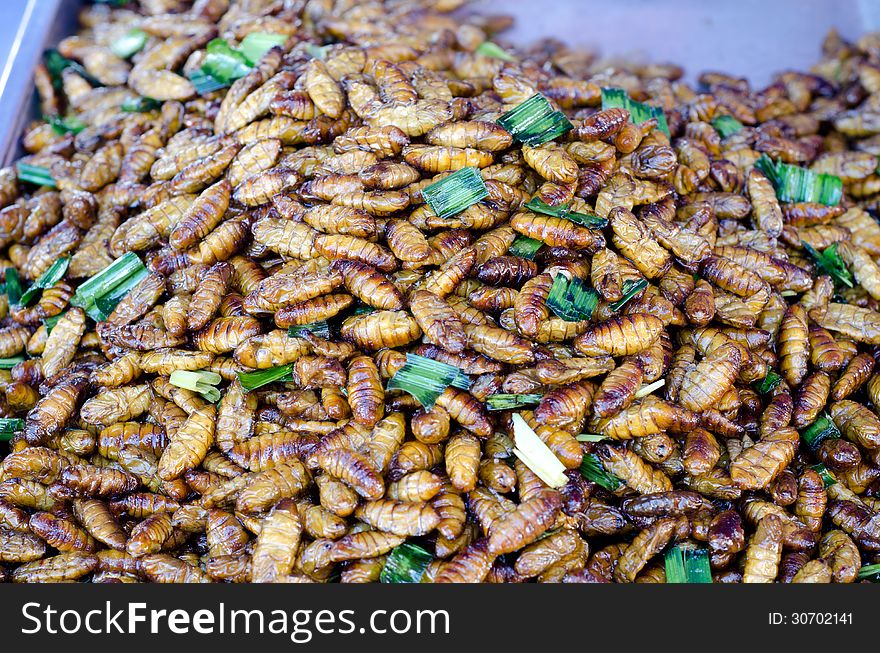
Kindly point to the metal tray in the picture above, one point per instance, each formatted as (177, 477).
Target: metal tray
(27, 27)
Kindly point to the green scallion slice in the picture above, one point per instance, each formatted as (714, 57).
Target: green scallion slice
(494, 51)
(453, 194)
(796, 184)
(593, 470)
(405, 564)
(630, 289)
(525, 247)
(583, 219)
(829, 262)
(320, 329)
(48, 279)
(50, 322)
(224, 63)
(56, 64)
(140, 105)
(535, 122)
(318, 51)
(104, 304)
(9, 426)
(645, 390)
(726, 125)
(769, 383)
(820, 430)
(255, 45)
(535, 454)
(509, 401)
(9, 363)
(132, 42)
(253, 380)
(617, 98)
(363, 309)
(424, 378)
(99, 295)
(205, 83)
(37, 175)
(13, 287)
(591, 437)
(68, 125)
(870, 573)
(827, 477)
(571, 300)
(687, 564)
(200, 381)
(461, 381)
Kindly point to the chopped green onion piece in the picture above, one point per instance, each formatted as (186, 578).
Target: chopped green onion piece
(321, 329)
(495, 51)
(108, 278)
(593, 470)
(205, 83)
(617, 98)
(870, 572)
(68, 125)
(9, 363)
(50, 322)
(99, 295)
(363, 309)
(9, 426)
(13, 286)
(525, 247)
(107, 302)
(536, 455)
(789, 293)
(769, 383)
(796, 184)
(509, 402)
(132, 42)
(535, 122)
(190, 379)
(256, 44)
(57, 64)
(200, 381)
(48, 279)
(405, 564)
(726, 125)
(630, 290)
(829, 262)
(318, 51)
(424, 378)
(591, 437)
(461, 381)
(827, 477)
(140, 105)
(102, 306)
(687, 564)
(455, 193)
(820, 430)
(37, 175)
(253, 380)
(571, 300)
(645, 390)
(584, 219)
(224, 63)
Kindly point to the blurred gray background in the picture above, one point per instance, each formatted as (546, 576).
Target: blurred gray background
(749, 38)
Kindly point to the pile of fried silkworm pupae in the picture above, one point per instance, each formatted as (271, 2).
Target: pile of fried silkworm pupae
(719, 399)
